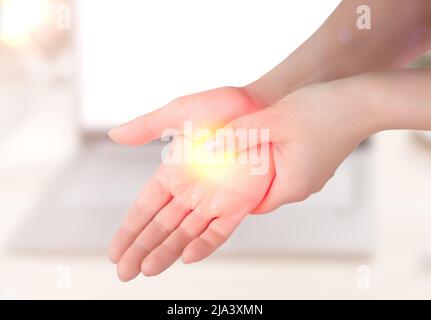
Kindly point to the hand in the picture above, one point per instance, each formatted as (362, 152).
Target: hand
(311, 132)
(174, 191)
(316, 127)
(185, 209)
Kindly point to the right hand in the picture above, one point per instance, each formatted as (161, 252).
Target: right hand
(311, 131)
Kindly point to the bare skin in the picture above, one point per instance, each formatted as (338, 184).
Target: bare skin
(313, 128)
(181, 212)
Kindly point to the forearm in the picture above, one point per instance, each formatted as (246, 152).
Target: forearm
(399, 33)
(388, 100)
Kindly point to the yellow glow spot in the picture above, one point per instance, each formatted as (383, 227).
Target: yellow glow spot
(20, 18)
(210, 164)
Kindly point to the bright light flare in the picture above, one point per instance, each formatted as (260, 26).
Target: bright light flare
(20, 18)
(209, 163)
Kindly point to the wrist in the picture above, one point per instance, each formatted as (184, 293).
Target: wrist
(355, 95)
(257, 97)
(281, 81)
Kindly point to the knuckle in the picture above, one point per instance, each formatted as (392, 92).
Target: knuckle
(162, 227)
(143, 208)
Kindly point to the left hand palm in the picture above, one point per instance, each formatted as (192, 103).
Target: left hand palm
(182, 210)
(186, 209)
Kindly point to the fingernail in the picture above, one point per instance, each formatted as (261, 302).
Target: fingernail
(114, 132)
(149, 269)
(114, 253)
(186, 260)
(189, 257)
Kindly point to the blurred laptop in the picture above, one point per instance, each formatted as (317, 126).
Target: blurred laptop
(131, 60)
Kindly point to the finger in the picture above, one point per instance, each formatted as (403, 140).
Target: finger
(170, 250)
(153, 197)
(212, 238)
(151, 126)
(154, 234)
(210, 109)
(246, 132)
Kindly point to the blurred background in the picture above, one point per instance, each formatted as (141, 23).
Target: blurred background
(70, 70)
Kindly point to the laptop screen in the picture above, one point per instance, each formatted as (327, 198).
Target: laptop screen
(137, 55)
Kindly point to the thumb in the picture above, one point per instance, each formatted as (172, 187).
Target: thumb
(246, 132)
(151, 126)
